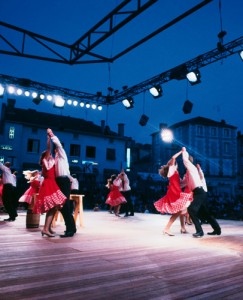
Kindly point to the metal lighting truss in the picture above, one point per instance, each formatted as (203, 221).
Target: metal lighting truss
(76, 53)
(178, 72)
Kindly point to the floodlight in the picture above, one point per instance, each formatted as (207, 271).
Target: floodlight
(128, 102)
(59, 102)
(156, 91)
(241, 54)
(99, 107)
(194, 77)
(1, 90)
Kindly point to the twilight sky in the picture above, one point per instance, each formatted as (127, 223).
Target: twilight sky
(219, 95)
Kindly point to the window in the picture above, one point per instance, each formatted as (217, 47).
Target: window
(213, 131)
(199, 130)
(226, 132)
(110, 154)
(226, 148)
(11, 133)
(33, 146)
(74, 150)
(90, 151)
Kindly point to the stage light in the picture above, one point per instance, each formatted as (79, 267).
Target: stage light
(241, 54)
(27, 93)
(87, 105)
(34, 95)
(143, 120)
(69, 101)
(49, 97)
(93, 106)
(11, 90)
(19, 92)
(128, 102)
(167, 135)
(37, 100)
(99, 107)
(187, 107)
(59, 102)
(156, 91)
(1, 90)
(42, 96)
(194, 77)
(81, 104)
(75, 102)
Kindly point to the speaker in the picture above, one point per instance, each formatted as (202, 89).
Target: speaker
(143, 120)
(187, 107)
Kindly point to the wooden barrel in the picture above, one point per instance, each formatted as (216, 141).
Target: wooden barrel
(32, 220)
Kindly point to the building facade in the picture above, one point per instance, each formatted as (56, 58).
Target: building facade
(212, 144)
(94, 152)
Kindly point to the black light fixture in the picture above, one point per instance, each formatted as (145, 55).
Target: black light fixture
(194, 77)
(187, 107)
(37, 100)
(128, 102)
(143, 120)
(156, 91)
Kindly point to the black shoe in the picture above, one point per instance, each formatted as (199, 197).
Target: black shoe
(131, 215)
(9, 220)
(126, 215)
(215, 232)
(198, 234)
(67, 234)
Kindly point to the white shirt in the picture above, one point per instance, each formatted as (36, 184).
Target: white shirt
(61, 161)
(191, 178)
(8, 177)
(125, 185)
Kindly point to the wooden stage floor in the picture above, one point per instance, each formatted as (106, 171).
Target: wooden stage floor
(120, 258)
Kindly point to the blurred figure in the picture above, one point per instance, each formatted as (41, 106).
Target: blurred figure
(33, 178)
(125, 190)
(8, 191)
(115, 198)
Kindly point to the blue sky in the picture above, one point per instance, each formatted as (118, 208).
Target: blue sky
(219, 96)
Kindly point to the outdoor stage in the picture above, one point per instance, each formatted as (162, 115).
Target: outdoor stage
(120, 258)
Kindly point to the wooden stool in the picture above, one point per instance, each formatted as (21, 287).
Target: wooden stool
(78, 211)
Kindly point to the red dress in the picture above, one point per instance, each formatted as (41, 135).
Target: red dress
(33, 189)
(49, 194)
(115, 197)
(174, 200)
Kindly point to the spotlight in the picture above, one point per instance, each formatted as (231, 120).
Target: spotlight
(194, 77)
(37, 100)
(93, 106)
(99, 107)
(143, 120)
(87, 105)
(27, 93)
(167, 135)
(19, 92)
(59, 102)
(156, 91)
(241, 54)
(1, 90)
(128, 102)
(187, 107)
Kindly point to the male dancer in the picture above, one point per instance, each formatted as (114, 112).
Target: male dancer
(194, 182)
(64, 183)
(125, 189)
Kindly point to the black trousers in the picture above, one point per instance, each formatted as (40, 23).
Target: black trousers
(128, 207)
(200, 203)
(65, 186)
(9, 198)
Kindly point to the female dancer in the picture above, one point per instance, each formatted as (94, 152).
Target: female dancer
(50, 197)
(33, 178)
(115, 198)
(175, 201)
